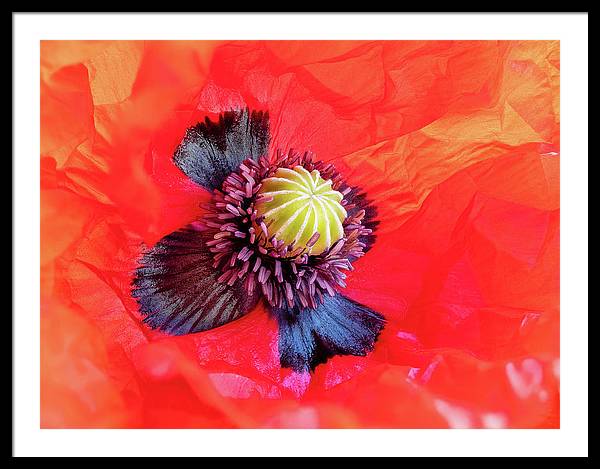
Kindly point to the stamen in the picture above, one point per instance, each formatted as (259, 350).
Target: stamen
(313, 239)
(278, 272)
(336, 248)
(289, 268)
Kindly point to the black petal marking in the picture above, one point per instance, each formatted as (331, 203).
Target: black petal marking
(177, 291)
(338, 326)
(210, 151)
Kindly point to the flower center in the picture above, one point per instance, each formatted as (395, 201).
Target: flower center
(288, 225)
(301, 209)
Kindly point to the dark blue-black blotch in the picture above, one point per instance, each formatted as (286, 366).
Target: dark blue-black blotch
(210, 151)
(177, 291)
(339, 326)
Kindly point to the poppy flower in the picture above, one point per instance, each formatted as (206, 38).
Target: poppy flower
(300, 234)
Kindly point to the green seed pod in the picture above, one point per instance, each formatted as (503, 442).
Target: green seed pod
(296, 204)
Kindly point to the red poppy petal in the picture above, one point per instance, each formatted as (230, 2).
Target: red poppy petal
(455, 142)
(434, 270)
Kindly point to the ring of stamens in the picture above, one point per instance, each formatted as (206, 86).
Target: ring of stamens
(244, 249)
